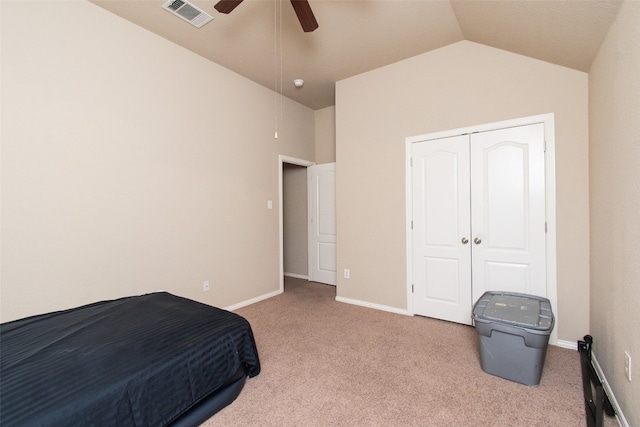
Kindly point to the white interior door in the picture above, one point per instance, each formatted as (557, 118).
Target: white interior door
(441, 229)
(322, 223)
(508, 210)
(478, 209)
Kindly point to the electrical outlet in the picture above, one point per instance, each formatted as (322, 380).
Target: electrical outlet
(627, 365)
(347, 273)
(205, 285)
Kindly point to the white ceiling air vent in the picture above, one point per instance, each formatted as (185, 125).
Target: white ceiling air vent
(188, 12)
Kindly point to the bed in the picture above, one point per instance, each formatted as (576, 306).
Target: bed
(149, 360)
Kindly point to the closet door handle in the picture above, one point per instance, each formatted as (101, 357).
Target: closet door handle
(464, 240)
(477, 241)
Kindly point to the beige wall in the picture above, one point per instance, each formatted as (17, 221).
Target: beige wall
(295, 228)
(131, 165)
(460, 85)
(325, 120)
(614, 109)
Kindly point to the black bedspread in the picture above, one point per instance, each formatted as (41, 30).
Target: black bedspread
(137, 361)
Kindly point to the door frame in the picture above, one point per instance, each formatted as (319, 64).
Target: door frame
(550, 199)
(294, 161)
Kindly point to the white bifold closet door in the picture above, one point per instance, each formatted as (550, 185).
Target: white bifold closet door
(478, 219)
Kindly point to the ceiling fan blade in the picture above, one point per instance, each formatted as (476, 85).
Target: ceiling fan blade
(226, 6)
(305, 15)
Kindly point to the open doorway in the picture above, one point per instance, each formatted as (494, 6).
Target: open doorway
(292, 174)
(294, 221)
(307, 221)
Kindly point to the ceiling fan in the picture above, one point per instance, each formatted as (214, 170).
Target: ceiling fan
(302, 8)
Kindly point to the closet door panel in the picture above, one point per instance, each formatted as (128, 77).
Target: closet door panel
(441, 261)
(508, 210)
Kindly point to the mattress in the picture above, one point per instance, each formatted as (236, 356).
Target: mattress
(135, 361)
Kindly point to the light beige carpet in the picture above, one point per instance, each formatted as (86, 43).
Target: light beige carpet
(326, 363)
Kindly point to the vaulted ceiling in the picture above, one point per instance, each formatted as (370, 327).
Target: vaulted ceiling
(263, 41)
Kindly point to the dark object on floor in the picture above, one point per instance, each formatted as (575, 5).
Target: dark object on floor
(590, 382)
(155, 360)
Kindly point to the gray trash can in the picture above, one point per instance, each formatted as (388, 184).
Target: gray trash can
(513, 333)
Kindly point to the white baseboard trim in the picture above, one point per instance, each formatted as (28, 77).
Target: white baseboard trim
(571, 345)
(372, 305)
(297, 276)
(253, 300)
(622, 421)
